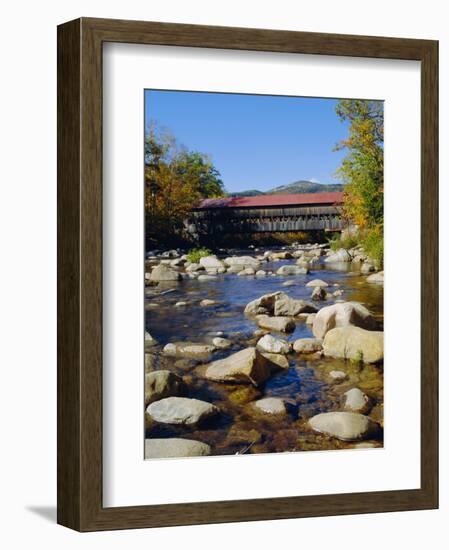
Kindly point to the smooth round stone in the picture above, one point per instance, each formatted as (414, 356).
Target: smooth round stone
(270, 344)
(221, 343)
(175, 447)
(317, 282)
(337, 375)
(181, 410)
(347, 426)
(357, 401)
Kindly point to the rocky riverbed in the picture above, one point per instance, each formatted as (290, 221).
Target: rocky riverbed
(256, 351)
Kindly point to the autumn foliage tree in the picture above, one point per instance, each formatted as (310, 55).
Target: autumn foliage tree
(362, 170)
(176, 179)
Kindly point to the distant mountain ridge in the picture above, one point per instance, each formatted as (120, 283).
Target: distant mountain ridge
(300, 186)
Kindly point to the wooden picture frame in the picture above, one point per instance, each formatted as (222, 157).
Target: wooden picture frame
(80, 504)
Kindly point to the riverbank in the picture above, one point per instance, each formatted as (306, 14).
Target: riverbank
(248, 351)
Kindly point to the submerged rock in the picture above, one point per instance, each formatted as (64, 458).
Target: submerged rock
(175, 447)
(162, 383)
(206, 302)
(247, 366)
(341, 315)
(279, 324)
(347, 426)
(270, 344)
(203, 278)
(271, 405)
(181, 410)
(164, 273)
(354, 343)
(337, 375)
(221, 343)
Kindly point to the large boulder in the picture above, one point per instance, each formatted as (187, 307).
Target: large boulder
(341, 315)
(347, 426)
(278, 324)
(247, 366)
(211, 262)
(181, 410)
(175, 447)
(164, 273)
(354, 343)
(162, 383)
(356, 401)
(242, 261)
(308, 345)
(278, 304)
(270, 344)
(288, 270)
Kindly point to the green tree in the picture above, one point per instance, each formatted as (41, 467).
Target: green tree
(362, 171)
(176, 179)
(362, 168)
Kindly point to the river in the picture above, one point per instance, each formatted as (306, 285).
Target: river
(305, 386)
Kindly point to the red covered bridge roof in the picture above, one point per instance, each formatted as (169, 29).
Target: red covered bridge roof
(262, 201)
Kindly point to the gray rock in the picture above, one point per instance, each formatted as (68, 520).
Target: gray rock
(246, 272)
(347, 426)
(189, 350)
(194, 267)
(206, 303)
(339, 256)
(244, 261)
(317, 282)
(175, 447)
(367, 268)
(211, 262)
(221, 343)
(246, 366)
(284, 305)
(203, 278)
(341, 315)
(356, 401)
(354, 343)
(279, 324)
(337, 375)
(162, 383)
(270, 344)
(278, 359)
(377, 278)
(308, 345)
(181, 410)
(271, 405)
(319, 294)
(164, 273)
(289, 270)
(149, 340)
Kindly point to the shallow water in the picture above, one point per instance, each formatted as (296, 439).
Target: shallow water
(305, 386)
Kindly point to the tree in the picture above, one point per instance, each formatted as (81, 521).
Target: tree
(175, 181)
(362, 169)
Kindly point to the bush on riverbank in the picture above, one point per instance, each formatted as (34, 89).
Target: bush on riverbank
(373, 244)
(195, 255)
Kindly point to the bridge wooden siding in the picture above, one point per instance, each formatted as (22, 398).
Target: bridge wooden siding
(268, 213)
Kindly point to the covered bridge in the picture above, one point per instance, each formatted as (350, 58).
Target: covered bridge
(268, 213)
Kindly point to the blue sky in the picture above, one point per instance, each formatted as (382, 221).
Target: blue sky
(256, 142)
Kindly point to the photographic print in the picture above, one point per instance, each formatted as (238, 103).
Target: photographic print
(263, 284)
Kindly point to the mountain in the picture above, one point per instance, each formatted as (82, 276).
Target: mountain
(300, 186)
